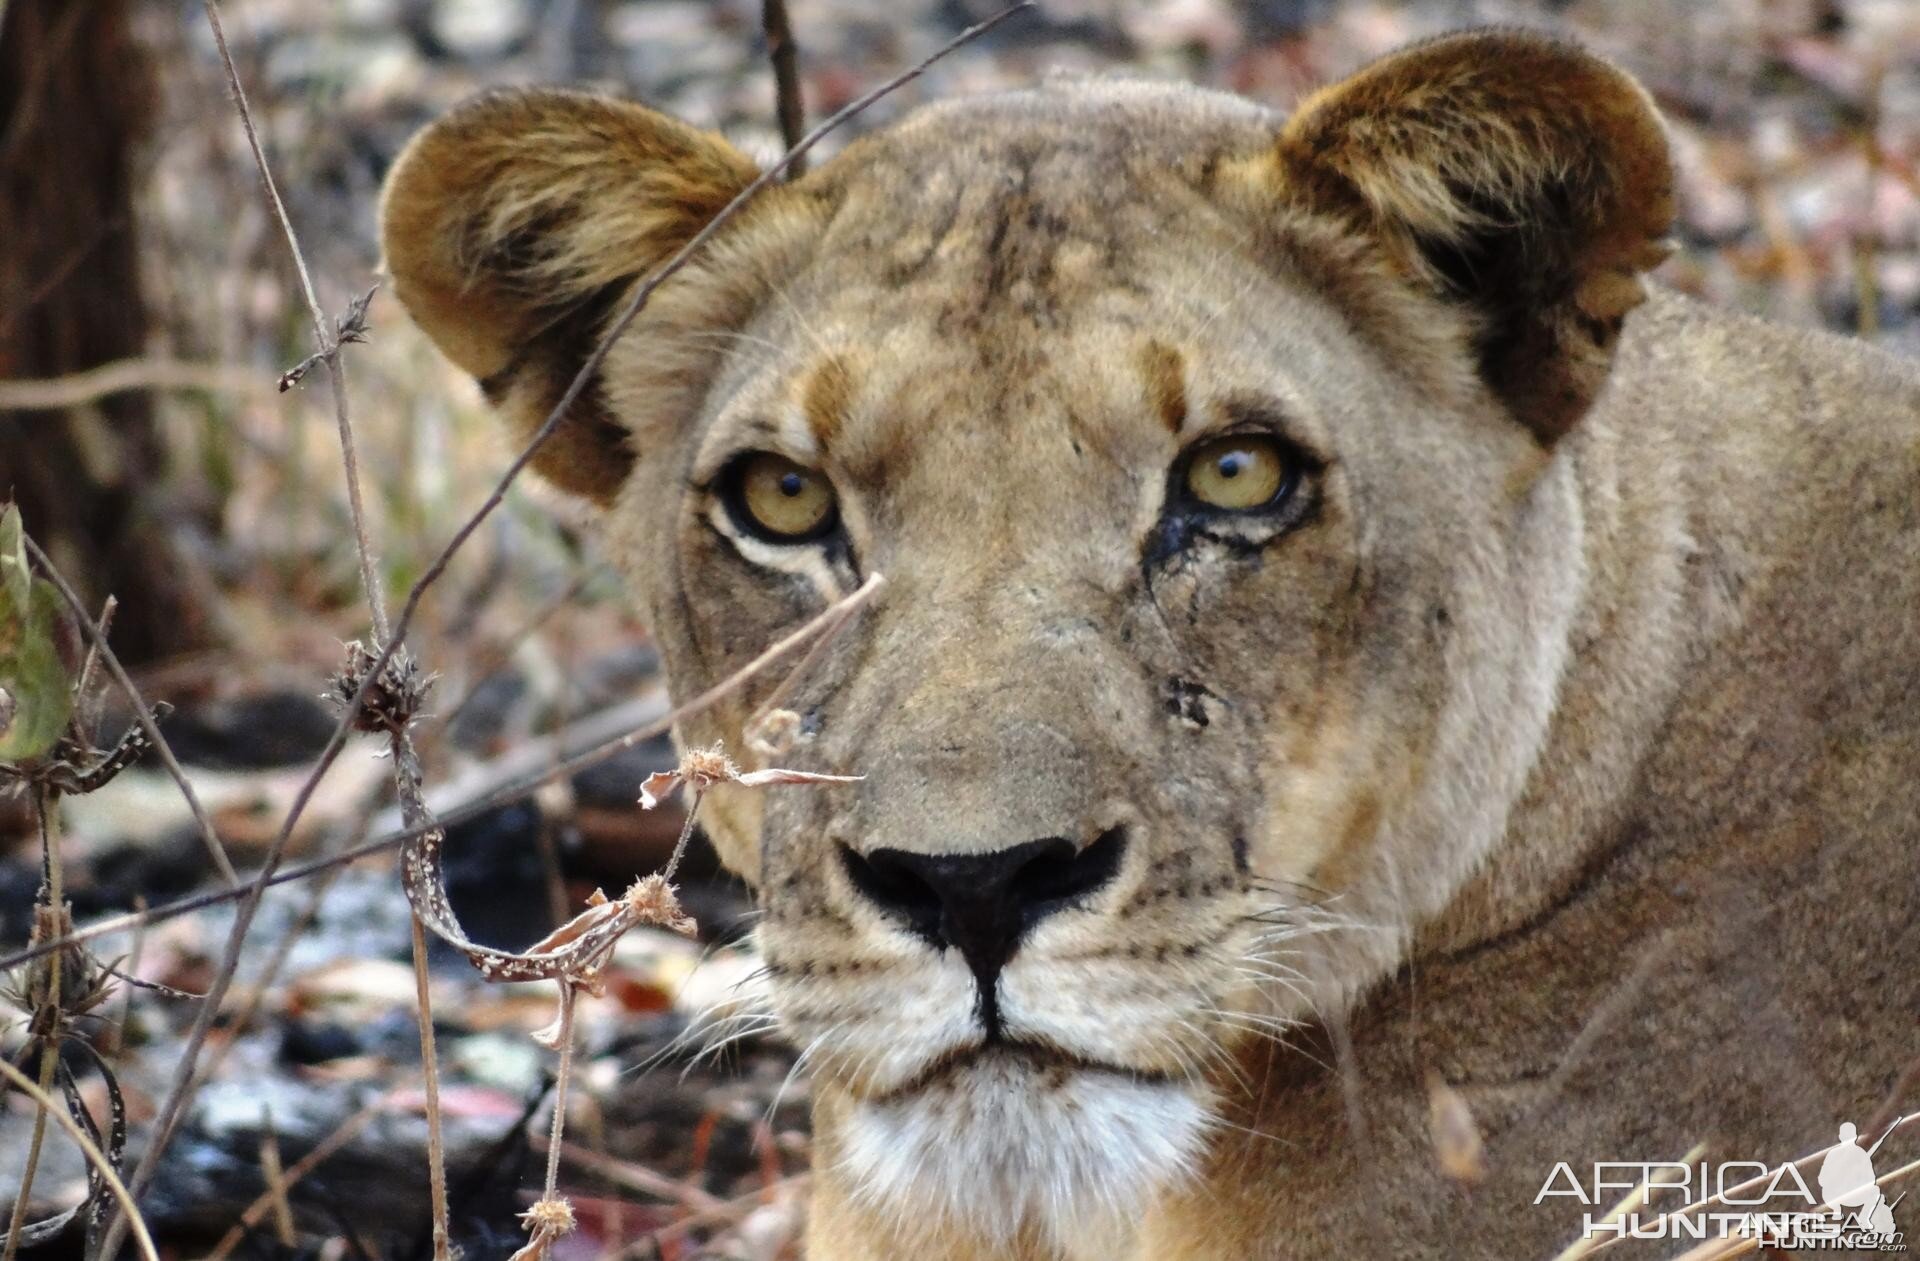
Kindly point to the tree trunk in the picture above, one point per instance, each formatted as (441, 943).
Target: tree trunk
(76, 90)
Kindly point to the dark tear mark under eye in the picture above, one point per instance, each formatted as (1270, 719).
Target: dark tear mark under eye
(1244, 533)
(1178, 530)
(1240, 854)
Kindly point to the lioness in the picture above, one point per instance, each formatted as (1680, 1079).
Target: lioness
(1349, 642)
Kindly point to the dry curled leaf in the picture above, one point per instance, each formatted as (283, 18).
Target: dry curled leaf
(579, 949)
(577, 953)
(701, 769)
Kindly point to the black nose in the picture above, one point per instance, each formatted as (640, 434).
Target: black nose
(982, 904)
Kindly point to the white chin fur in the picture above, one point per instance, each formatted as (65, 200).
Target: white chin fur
(995, 1150)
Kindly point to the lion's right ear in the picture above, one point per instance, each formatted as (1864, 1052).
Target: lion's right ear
(512, 227)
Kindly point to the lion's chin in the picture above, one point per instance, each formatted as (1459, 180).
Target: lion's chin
(999, 1145)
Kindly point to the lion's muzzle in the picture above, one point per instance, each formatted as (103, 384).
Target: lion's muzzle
(983, 904)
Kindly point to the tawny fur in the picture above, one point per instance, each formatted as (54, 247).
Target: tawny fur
(1566, 748)
(522, 211)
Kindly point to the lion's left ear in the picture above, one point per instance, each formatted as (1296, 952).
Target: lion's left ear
(1508, 172)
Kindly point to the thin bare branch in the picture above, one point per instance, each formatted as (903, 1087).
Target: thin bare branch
(327, 340)
(430, 1074)
(121, 375)
(551, 1218)
(260, 164)
(784, 53)
(142, 713)
(722, 1213)
(633, 1177)
(86, 716)
(257, 1211)
(548, 769)
(168, 1118)
(275, 1176)
(93, 1154)
(53, 897)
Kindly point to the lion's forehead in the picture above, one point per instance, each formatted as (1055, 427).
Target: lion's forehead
(1032, 205)
(1121, 117)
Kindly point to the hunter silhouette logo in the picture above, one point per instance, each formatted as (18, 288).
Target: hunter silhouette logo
(1846, 1179)
(1745, 1199)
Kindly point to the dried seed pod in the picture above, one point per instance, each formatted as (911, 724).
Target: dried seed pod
(548, 1220)
(394, 700)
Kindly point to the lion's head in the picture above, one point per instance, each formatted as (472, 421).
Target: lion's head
(1210, 460)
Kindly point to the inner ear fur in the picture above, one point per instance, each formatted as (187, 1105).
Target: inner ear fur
(1509, 173)
(514, 225)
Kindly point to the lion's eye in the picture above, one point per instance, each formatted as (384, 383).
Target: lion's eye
(779, 500)
(1238, 472)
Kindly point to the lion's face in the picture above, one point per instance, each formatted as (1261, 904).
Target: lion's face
(1127, 752)
(1222, 590)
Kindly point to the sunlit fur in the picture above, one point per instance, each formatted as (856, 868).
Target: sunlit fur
(1555, 742)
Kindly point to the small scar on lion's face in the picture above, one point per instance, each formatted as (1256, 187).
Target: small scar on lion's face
(1188, 702)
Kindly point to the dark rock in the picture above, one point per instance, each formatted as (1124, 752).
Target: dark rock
(158, 871)
(316, 1042)
(496, 880)
(246, 733)
(214, 1165)
(615, 783)
(487, 711)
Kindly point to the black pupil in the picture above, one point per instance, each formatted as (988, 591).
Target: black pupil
(791, 484)
(1233, 463)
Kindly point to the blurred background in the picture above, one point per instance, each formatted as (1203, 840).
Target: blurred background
(148, 307)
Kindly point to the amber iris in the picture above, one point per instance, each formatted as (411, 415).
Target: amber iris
(785, 501)
(1238, 472)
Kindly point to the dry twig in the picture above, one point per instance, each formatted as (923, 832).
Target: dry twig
(54, 902)
(99, 1163)
(248, 897)
(275, 1177)
(784, 53)
(471, 809)
(264, 1203)
(78, 389)
(142, 712)
(633, 1177)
